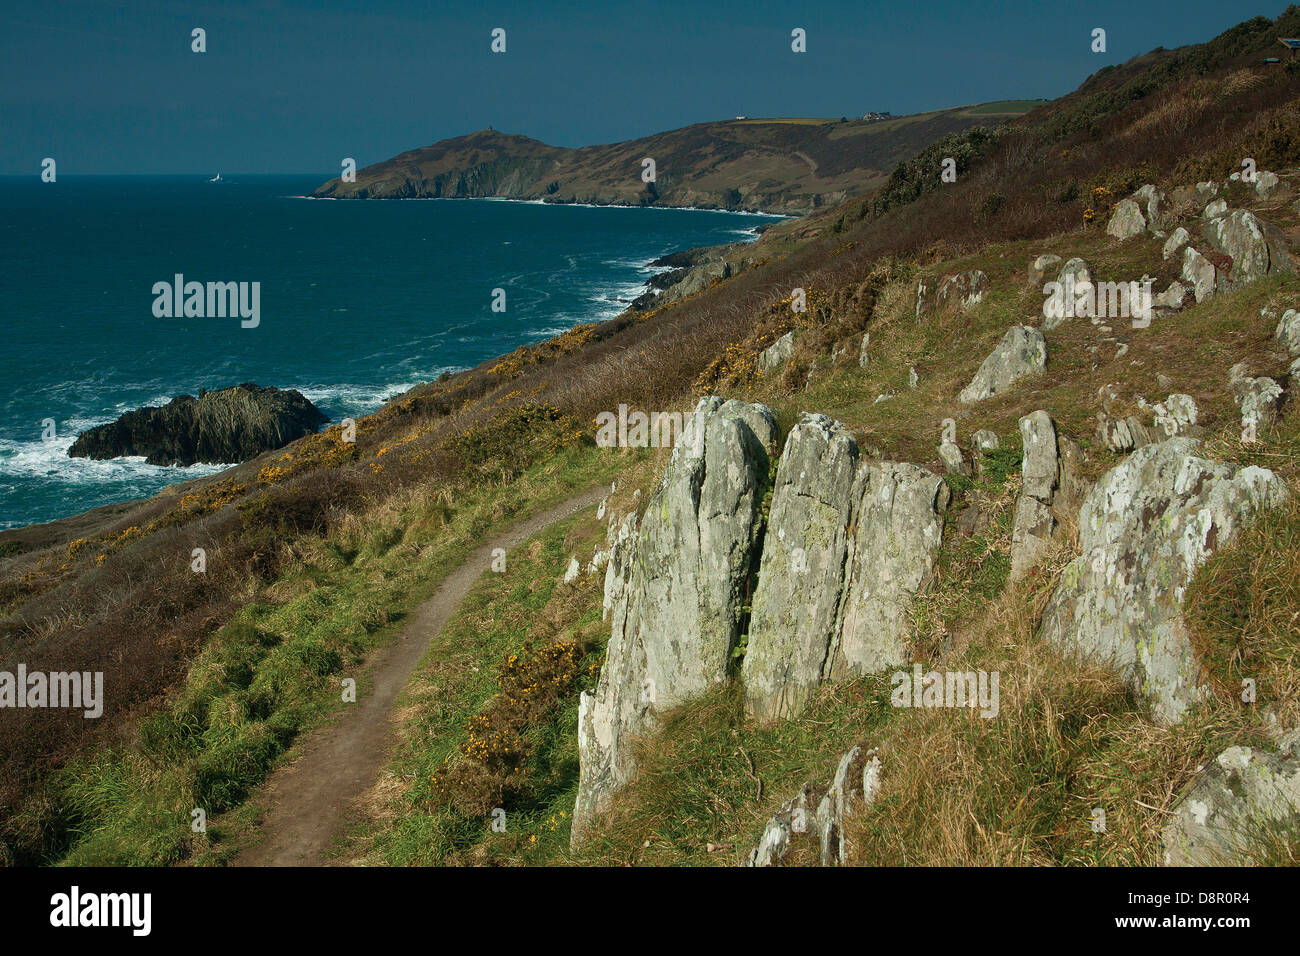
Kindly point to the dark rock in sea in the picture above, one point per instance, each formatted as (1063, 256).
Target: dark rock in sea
(687, 257)
(644, 302)
(663, 280)
(230, 425)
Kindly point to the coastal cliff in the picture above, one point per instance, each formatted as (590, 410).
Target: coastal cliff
(786, 166)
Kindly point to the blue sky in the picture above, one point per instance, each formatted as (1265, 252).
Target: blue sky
(294, 86)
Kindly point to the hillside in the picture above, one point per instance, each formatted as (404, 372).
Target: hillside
(1104, 513)
(777, 165)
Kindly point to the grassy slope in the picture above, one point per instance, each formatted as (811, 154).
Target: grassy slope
(1019, 789)
(411, 481)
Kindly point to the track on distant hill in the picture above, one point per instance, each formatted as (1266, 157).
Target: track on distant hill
(308, 800)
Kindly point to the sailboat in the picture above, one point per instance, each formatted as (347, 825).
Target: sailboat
(216, 179)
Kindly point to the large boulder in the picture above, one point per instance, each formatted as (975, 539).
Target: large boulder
(1200, 272)
(777, 354)
(1144, 530)
(897, 530)
(1126, 221)
(804, 549)
(1022, 351)
(848, 545)
(1255, 248)
(1233, 807)
(675, 590)
(226, 426)
(1154, 207)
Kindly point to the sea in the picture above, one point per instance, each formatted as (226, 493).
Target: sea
(358, 301)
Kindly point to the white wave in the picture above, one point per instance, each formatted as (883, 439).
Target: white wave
(49, 459)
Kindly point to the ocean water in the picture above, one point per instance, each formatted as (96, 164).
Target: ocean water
(358, 302)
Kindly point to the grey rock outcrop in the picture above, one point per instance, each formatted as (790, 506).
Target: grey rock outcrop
(1288, 332)
(1155, 208)
(777, 354)
(674, 590)
(1127, 220)
(822, 814)
(897, 531)
(964, 290)
(847, 547)
(1039, 268)
(804, 551)
(1269, 186)
(1022, 351)
(1049, 471)
(1172, 297)
(864, 357)
(1123, 434)
(1174, 244)
(1077, 270)
(1255, 248)
(1176, 415)
(1144, 530)
(1200, 272)
(1231, 806)
(952, 459)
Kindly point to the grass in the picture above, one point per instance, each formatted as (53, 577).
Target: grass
(275, 670)
(434, 802)
(316, 551)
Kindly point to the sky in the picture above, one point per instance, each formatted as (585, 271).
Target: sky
(294, 86)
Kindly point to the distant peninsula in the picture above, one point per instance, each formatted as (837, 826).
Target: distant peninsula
(788, 166)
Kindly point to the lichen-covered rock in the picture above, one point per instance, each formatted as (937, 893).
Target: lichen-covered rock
(821, 814)
(1022, 351)
(1288, 331)
(1038, 439)
(897, 530)
(864, 358)
(1176, 415)
(964, 290)
(1200, 272)
(952, 459)
(1077, 270)
(777, 354)
(1154, 207)
(1171, 298)
(1259, 399)
(1269, 186)
(1174, 244)
(1144, 530)
(674, 590)
(1256, 250)
(848, 545)
(1039, 268)
(804, 549)
(1216, 209)
(1034, 522)
(1126, 221)
(1233, 807)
